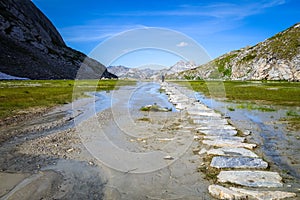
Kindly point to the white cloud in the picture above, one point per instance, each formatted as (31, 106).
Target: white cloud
(182, 44)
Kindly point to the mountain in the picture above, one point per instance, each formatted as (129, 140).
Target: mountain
(179, 67)
(132, 73)
(277, 58)
(147, 73)
(31, 47)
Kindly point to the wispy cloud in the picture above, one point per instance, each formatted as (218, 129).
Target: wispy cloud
(93, 32)
(217, 10)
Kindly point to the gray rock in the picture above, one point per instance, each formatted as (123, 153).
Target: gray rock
(31, 47)
(232, 152)
(218, 132)
(228, 143)
(224, 137)
(221, 192)
(251, 178)
(238, 162)
(216, 126)
(264, 195)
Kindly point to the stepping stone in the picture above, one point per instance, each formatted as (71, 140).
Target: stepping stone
(207, 121)
(224, 137)
(219, 132)
(264, 194)
(221, 192)
(209, 114)
(228, 143)
(232, 152)
(216, 126)
(238, 163)
(251, 178)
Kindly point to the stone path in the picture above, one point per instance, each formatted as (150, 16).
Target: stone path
(230, 153)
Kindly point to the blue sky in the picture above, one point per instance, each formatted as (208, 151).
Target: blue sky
(218, 26)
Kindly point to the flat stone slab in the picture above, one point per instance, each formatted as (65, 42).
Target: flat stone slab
(251, 178)
(205, 113)
(216, 126)
(221, 192)
(207, 120)
(219, 132)
(228, 143)
(233, 193)
(225, 151)
(238, 162)
(224, 137)
(264, 195)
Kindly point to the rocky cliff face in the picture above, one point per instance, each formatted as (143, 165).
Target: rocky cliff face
(31, 47)
(277, 58)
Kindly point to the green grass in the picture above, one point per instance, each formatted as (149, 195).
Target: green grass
(264, 92)
(251, 106)
(223, 65)
(20, 96)
(292, 113)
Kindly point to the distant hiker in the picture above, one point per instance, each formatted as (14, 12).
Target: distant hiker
(163, 78)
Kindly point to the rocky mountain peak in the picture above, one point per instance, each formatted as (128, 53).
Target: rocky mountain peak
(31, 47)
(276, 58)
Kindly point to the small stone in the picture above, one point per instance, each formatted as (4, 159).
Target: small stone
(246, 132)
(91, 163)
(196, 137)
(70, 150)
(196, 150)
(262, 195)
(168, 158)
(251, 178)
(225, 151)
(221, 192)
(202, 151)
(238, 162)
(165, 139)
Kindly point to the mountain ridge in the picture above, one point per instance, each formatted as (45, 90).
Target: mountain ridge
(148, 73)
(31, 47)
(276, 58)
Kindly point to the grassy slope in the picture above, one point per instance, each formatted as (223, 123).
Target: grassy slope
(21, 96)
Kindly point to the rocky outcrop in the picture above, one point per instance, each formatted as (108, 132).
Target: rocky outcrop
(277, 58)
(31, 47)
